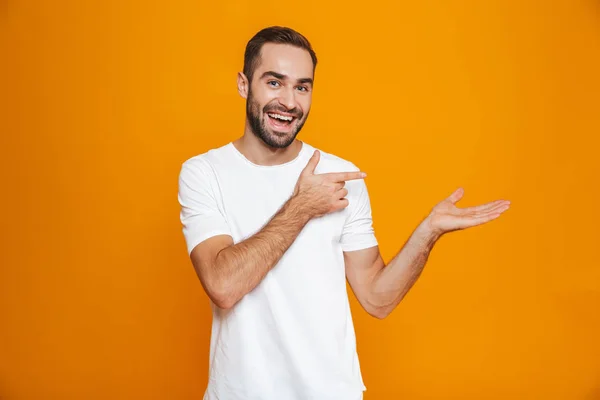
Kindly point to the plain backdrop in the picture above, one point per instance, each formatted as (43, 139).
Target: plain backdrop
(101, 102)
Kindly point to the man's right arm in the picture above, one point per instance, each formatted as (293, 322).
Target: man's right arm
(228, 272)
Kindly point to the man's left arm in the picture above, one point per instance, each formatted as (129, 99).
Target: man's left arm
(378, 287)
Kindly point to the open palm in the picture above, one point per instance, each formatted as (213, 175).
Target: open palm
(446, 217)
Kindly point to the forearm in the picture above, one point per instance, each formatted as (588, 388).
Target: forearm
(241, 267)
(394, 281)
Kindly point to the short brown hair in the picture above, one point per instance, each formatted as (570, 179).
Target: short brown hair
(273, 34)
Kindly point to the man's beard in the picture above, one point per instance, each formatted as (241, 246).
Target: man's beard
(258, 125)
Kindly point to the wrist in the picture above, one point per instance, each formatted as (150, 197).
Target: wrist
(299, 208)
(427, 233)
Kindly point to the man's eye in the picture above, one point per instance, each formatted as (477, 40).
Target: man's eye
(273, 83)
(303, 88)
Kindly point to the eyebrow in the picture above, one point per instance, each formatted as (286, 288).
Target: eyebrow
(284, 77)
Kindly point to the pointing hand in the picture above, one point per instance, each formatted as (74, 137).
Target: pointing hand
(323, 193)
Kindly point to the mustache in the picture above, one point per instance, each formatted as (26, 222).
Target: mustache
(294, 111)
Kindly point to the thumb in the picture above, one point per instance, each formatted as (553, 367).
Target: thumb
(457, 195)
(312, 163)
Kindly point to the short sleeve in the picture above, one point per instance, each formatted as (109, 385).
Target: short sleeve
(200, 215)
(358, 232)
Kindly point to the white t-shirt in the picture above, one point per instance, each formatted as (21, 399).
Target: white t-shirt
(292, 337)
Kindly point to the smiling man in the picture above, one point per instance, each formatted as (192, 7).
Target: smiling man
(274, 227)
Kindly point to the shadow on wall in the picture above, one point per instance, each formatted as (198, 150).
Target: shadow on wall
(596, 5)
(594, 394)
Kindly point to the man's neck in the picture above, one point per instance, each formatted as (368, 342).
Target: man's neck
(257, 152)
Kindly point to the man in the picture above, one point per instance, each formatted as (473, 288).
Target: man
(274, 228)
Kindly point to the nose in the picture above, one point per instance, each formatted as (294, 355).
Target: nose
(287, 98)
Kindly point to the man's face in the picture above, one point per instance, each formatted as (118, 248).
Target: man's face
(280, 94)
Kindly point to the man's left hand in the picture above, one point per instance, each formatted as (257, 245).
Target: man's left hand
(446, 217)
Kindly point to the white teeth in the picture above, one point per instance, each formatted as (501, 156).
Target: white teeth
(281, 117)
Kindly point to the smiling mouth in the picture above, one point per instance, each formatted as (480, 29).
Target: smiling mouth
(280, 120)
(281, 117)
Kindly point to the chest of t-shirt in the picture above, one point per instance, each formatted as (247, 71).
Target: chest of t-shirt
(250, 201)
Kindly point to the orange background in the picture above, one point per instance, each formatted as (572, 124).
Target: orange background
(102, 101)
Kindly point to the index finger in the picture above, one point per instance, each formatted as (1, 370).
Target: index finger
(344, 176)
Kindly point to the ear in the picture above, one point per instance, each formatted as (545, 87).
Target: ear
(242, 84)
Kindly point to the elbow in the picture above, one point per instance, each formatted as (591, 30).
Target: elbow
(379, 313)
(381, 309)
(222, 296)
(222, 302)
(218, 290)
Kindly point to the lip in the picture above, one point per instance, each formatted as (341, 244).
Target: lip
(282, 113)
(281, 128)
